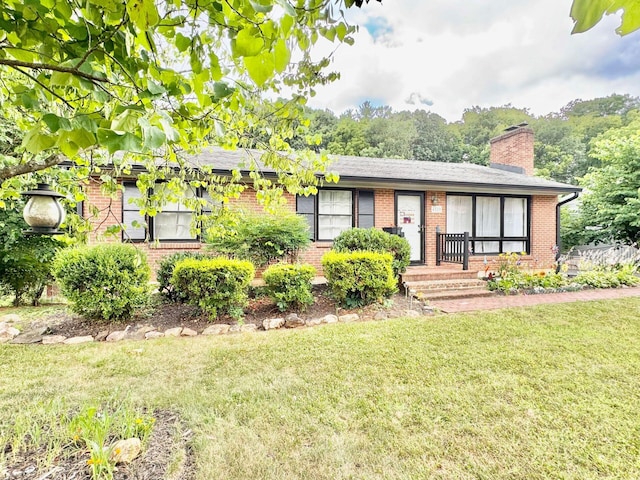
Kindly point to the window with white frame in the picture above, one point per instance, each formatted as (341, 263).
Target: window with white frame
(173, 223)
(496, 224)
(331, 211)
(335, 213)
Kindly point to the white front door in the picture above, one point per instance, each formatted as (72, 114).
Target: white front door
(409, 216)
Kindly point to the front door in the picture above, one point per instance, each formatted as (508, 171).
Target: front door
(409, 216)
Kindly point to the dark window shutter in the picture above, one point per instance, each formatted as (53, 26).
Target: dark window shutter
(131, 213)
(306, 207)
(365, 209)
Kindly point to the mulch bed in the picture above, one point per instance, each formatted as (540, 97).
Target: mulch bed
(169, 315)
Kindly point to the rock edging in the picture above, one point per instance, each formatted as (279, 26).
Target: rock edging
(12, 335)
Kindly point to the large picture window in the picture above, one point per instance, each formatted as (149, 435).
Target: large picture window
(331, 212)
(496, 224)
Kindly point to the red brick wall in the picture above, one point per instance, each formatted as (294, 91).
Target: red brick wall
(384, 208)
(514, 148)
(543, 229)
(436, 216)
(109, 213)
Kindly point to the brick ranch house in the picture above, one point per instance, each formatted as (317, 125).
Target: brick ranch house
(503, 207)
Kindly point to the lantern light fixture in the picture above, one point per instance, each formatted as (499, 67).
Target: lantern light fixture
(43, 211)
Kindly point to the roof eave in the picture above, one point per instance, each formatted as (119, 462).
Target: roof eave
(471, 187)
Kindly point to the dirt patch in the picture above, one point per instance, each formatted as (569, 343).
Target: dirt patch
(163, 316)
(166, 455)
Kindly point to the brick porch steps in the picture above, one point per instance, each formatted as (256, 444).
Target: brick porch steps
(454, 294)
(449, 284)
(444, 283)
(418, 274)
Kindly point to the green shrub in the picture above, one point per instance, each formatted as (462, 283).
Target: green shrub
(359, 278)
(103, 281)
(25, 261)
(598, 279)
(262, 238)
(628, 275)
(374, 240)
(165, 272)
(216, 285)
(289, 285)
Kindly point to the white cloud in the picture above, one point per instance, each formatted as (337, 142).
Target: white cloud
(457, 54)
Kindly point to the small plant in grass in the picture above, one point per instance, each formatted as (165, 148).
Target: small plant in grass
(165, 272)
(289, 285)
(359, 278)
(90, 432)
(97, 430)
(91, 429)
(104, 281)
(374, 240)
(216, 285)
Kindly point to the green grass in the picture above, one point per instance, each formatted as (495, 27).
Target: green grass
(537, 393)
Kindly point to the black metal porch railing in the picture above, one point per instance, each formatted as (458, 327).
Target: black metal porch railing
(453, 248)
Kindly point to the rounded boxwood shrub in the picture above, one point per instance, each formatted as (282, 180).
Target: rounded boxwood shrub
(289, 285)
(262, 238)
(216, 285)
(359, 278)
(103, 281)
(374, 240)
(165, 272)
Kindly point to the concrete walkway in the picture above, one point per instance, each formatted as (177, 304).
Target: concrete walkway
(509, 301)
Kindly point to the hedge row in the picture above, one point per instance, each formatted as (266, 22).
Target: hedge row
(112, 281)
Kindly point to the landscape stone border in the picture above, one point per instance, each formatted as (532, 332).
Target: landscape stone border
(37, 335)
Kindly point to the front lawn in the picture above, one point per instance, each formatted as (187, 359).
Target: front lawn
(537, 393)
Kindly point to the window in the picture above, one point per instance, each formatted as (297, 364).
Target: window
(331, 212)
(496, 224)
(173, 223)
(335, 213)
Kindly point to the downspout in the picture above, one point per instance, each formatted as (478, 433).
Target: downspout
(573, 196)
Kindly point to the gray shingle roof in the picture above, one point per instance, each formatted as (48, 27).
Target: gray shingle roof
(405, 174)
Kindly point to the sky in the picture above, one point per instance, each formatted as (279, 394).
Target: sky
(447, 55)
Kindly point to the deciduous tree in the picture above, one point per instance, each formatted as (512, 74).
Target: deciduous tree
(587, 13)
(612, 193)
(103, 84)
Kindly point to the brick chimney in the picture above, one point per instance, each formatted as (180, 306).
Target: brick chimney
(513, 150)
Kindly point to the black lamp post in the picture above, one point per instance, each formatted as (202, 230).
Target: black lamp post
(43, 211)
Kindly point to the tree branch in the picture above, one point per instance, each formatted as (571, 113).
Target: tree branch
(55, 68)
(29, 167)
(27, 74)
